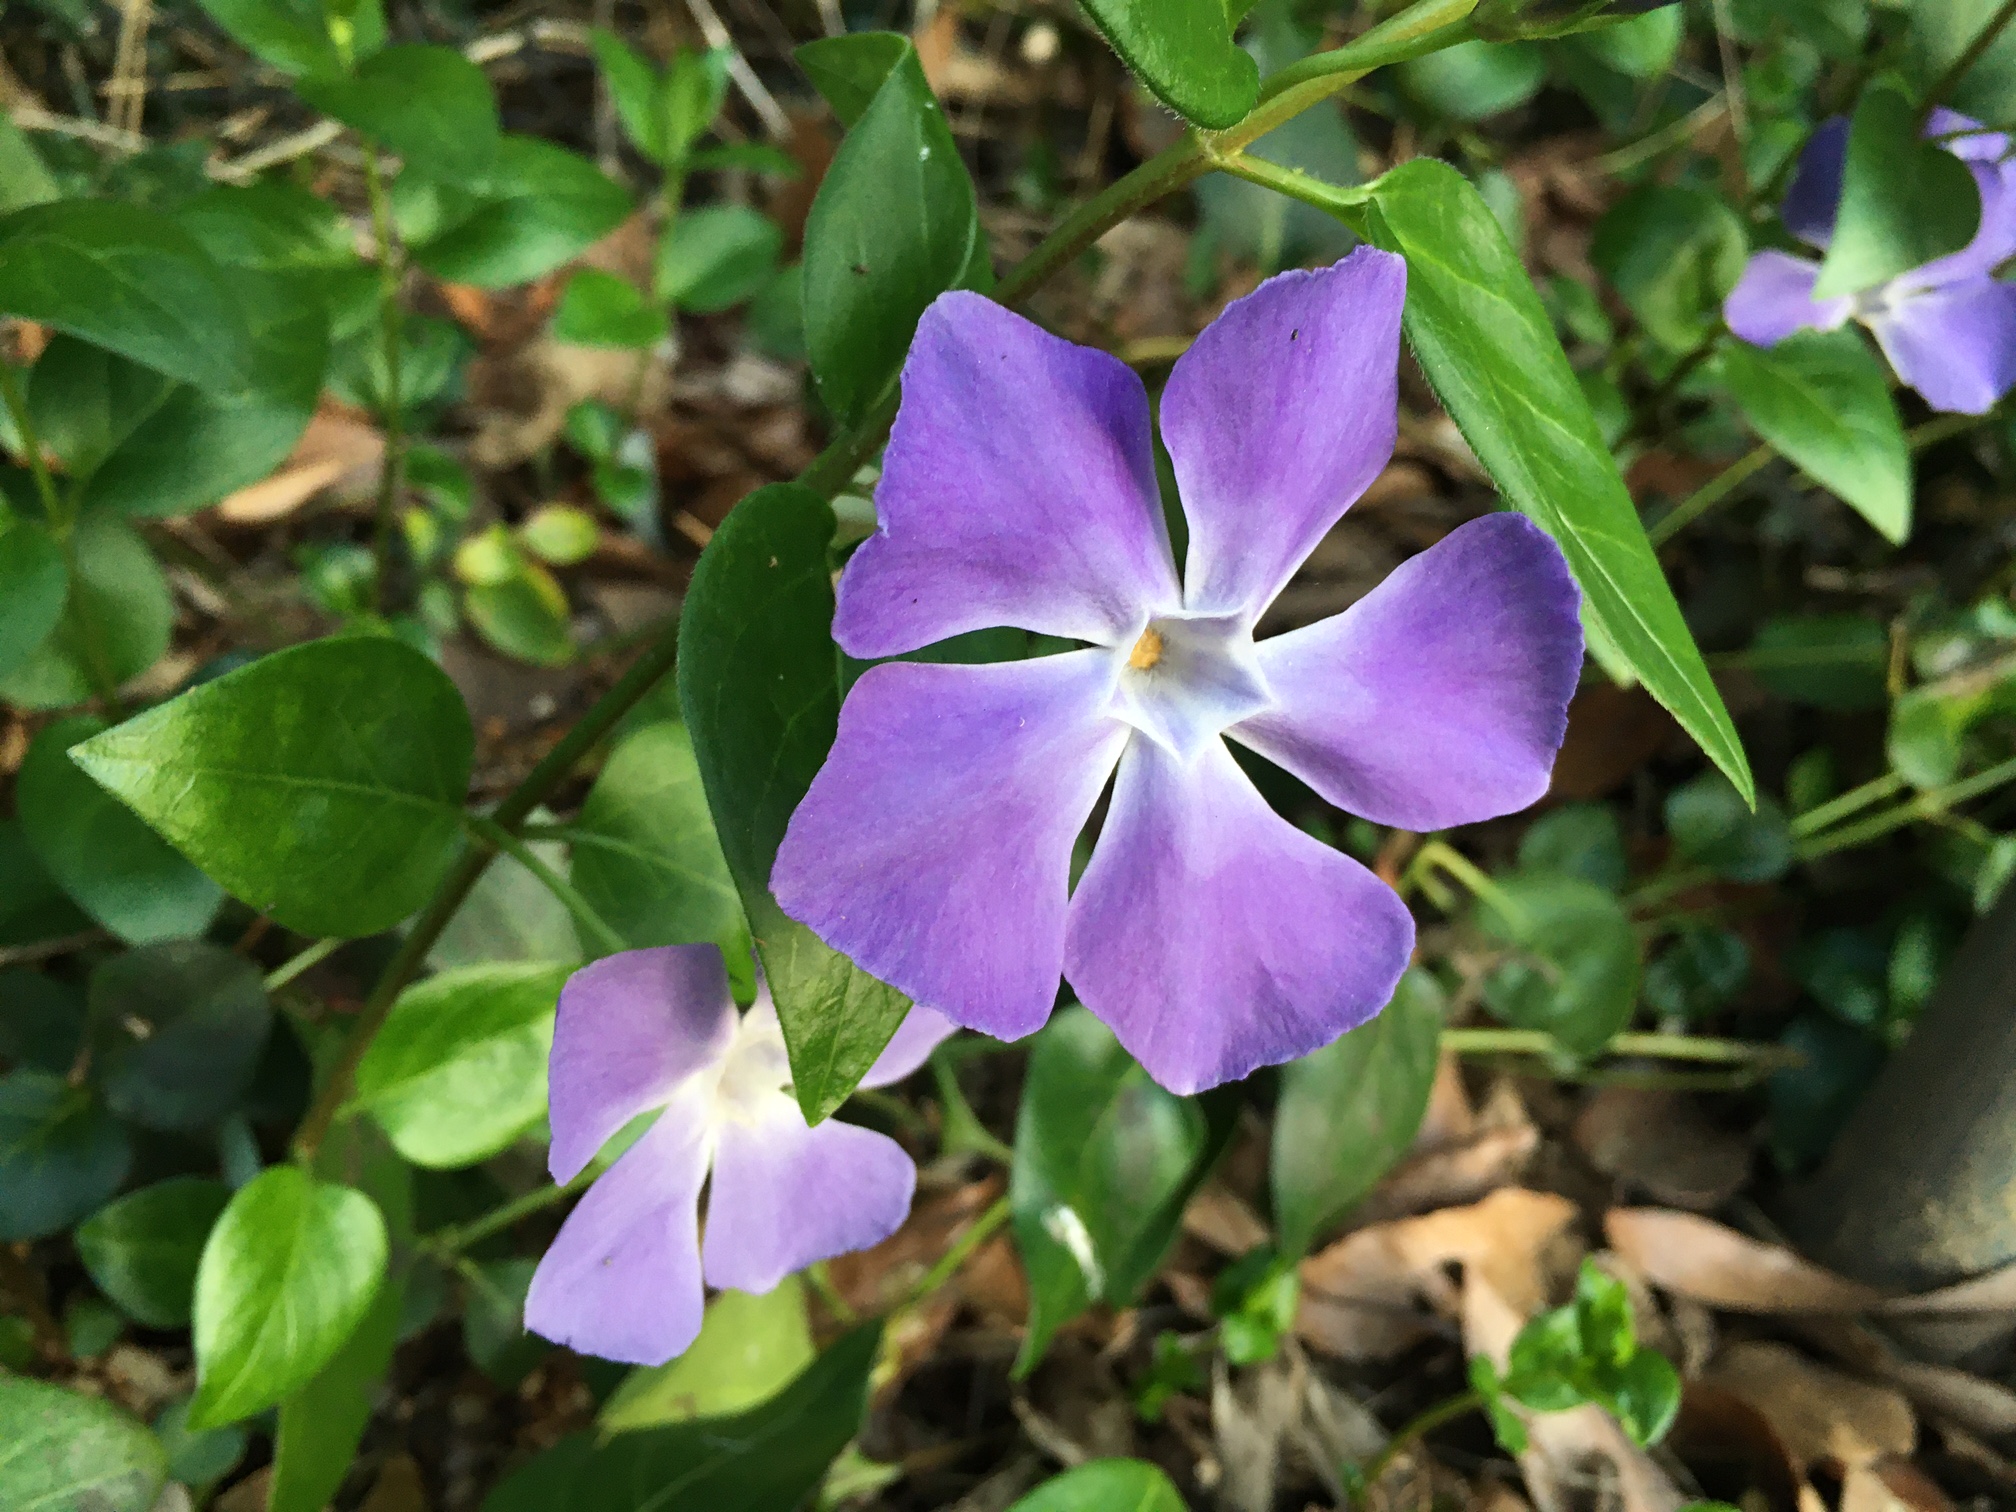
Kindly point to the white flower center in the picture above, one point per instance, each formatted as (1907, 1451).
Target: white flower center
(1186, 678)
(754, 1073)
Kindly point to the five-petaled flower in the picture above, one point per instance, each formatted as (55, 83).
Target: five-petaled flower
(657, 1029)
(1019, 489)
(1949, 327)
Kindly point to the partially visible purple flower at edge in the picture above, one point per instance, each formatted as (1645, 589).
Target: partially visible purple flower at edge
(657, 1029)
(1211, 935)
(1949, 327)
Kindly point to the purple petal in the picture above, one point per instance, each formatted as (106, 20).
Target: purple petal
(922, 1031)
(1994, 241)
(785, 1196)
(934, 848)
(1213, 937)
(622, 1280)
(1277, 418)
(1979, 144)
(1018, 489)
(1440, 697)
(1774, 298)
(1956, 345)
(631, 1027)
(1814, 198)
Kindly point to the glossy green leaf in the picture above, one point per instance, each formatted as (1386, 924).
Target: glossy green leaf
(1576, 840)
(634, 86)
(1475, 80)
(1698, 974)
(767, 1459)
(293, 35)
(1483, 338)
(1105, 1485)
(24, 178)
(126, 279)
(322, 784)
(524, 615)
(110, 864)
(142, 1250)
(177, 1029)
(274, 225)
(645, 853)
(198, 1460)
(749, 1349)
(1904, 201)
(537, 207)
(1822, 399)
(1673, 252)
(1573, 969)
(894, 226)
(61, 1451)
(289, 1272)
(322, 1423)
(1712, 827)
(695, 86)
(115, 622)
(459, 1070)
(33, 587)
(1104, 1161)
(84, 400)
(1349, 1111)
(600, 309)
(849, 69)
(758, 617)
(713, 259)
(426, 103)
(1183, 50)
(61, 1155)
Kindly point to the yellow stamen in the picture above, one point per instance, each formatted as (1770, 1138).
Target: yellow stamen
(1147, 650)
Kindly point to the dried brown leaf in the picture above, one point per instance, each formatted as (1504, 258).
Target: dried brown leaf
(1696, 1257)
(1819, 1413)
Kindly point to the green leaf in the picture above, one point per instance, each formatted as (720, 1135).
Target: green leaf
(537, 207)
(1830, 661)
(1475, 80)
(523, 614)
(759, 616)
(1698, 974)
(849, 69)
(1104, 1161)
(34, 585)
(600, 309)
(84, 399)
(1822, 399)
(126, 279)
(177, 1032)
(634, 87)
(766, 1459)
(1576, 840)
(1673, 253)
(713, 259)
(1644, 1396)
(1183, 50)
(1904, 201)
(43, 1027)
(645, 853)
(559, 534)
(322, 1423)
(64, 1452)
(198, 1460)
(893, 227)
(293, 35)
(289, 1272)
(426, 103)
(1941, 30)
(459, 1070)
(61, 1156)
(1349, 1111)
(1710, 826)
(1105, 1485)
(1484, 340)
(143, 1249)
(321, 784)
(115, 623)
(32, 906)
(510, 915)
(24, 178)
(274, 226)
(749, 1349)
(110, 864)
(695, 86)
(1576, 972)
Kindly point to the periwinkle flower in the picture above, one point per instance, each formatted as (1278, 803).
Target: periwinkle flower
(1210, 934)
(1948, 327)
(657, 1029)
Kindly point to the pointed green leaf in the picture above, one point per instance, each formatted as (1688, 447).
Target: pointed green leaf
(1105, 1485)
(61, 1451)
(33, 587)
(142, 1250)
(423, 102)
(1904, 200)
(1183, 50)
(114, 626)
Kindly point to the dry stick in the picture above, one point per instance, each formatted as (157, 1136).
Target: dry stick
(128, 86)
(1430, 24)
(48, 950)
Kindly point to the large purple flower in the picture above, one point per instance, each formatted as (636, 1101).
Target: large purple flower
(657, 1029)
(1949, 327)
(1210, 934)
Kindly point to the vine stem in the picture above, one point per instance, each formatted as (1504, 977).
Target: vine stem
(1414, 1431)
(950, 1263)
(1424, 27)
(391, 479)
(1709, 494)
(24, 427)
(1969, 56)
(294, 965)
(444, 1243)
(584, 912)
(1673, 1047)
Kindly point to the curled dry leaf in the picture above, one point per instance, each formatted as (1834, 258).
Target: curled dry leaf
(1498, 1144)
(1820, 1414)
(1698, 1258)
(1219, 1217)
(1661, 1142)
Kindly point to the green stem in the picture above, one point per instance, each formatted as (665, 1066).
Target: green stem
(1442, 1412)
(607, 940)
(949, 1264)
(1422, 28)
(1926, 805)
(1708, 495)
(1464, 870)
(1333, 199)
(452, 1240)
(1165, 173)
(1983, 40)
(1673, 1047)
(24, 426)
(1853, 801)
(1932, 432)
(391, 481)
(294, 965)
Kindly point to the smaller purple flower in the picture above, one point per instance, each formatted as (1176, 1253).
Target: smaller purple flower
(1210, 934)
(657, 1029)
(1949, 327)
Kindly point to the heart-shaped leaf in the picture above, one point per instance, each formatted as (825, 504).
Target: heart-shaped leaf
(1904, 201)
